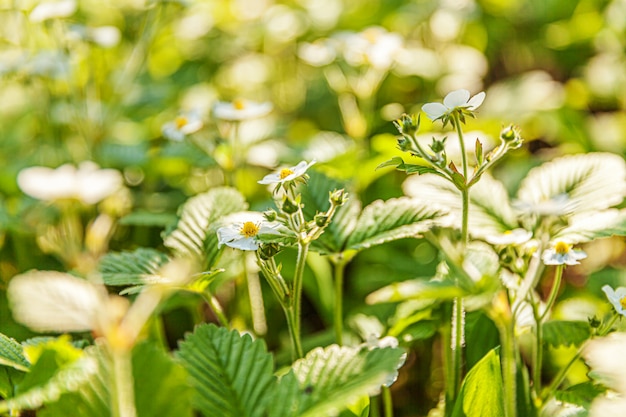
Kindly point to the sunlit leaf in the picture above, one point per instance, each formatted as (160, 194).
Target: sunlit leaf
(195, 233)
(50, 379)
(132, 268)
(329, 379)
(481, 392)
(55, 301)
(490, 210)
(232, 374)
(589, 226)
(384, 221)
(416, 289)
(581, 394)
(566, 333)
(593, 181)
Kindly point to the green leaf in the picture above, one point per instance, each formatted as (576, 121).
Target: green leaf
(232, 374)
(589, 226)
(148, 219)
(416, 289)
(132, 268)
(315, 199)
(12, 354)
(490, 210)
(328, 380)
(49, 379)
(566, 333)
(581, 394)
(593, 181)
(384, 221)
(481, 392)
(160, 387)
(195, 234)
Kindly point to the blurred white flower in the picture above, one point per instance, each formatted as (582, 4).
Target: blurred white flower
(561, 253)
(105, 36)
(240, 109)
(458, 99)
(510, 237)
(183, 125)
(318, 53)
(54, 64)
(52, 9)
(603, 356)
(287, 174)
(373, 46)
(243, 234)
(616, 297)
(88, 183)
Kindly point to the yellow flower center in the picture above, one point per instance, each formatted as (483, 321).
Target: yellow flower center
(181, 121)
(561, 248)
(371, 35)
(508, 232)
(622, 301)
(239, 104)
(249, 229)
(285, 172)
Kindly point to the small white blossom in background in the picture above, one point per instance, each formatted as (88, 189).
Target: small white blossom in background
(287, 174)
(373, 46)
(617, 298)
(603, 356)
(510, 237)
(243, 229)
(561, 253)
(458, 99)
(52, 10)
(183, 125)
(240, 109)
(88, 184)
(319, 53)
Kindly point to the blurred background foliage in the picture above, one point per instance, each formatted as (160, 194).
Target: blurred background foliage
(96, 80)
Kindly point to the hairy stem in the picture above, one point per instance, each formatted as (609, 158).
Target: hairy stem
(339, 269)
(303, 250)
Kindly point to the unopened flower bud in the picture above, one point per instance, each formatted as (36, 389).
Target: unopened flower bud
(270, 215)
(321, 220)
(269, 250)
(289, 206)
(511, 136)
(407, 124)
(338, 197)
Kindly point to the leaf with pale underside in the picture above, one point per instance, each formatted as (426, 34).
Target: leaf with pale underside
(138, 267)
(195, 233)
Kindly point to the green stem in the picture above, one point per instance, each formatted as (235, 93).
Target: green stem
(457, 346)
(387, 401)
(539, 318)
(216, 308)
(294, 332)
(296, 301)
(457, 125)
(375, 406)
(339, 266)
(124, 396)
(509, 367)
(556, 382)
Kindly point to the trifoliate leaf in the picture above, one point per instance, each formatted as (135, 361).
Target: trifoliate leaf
(195, 234)
(585, 182)
(132, 268)
(566, 333)
(232, 374)
(384, 221)
(330, 379)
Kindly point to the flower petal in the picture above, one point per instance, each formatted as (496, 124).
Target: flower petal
(434, 111)
(457, 98)
(476, 101)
